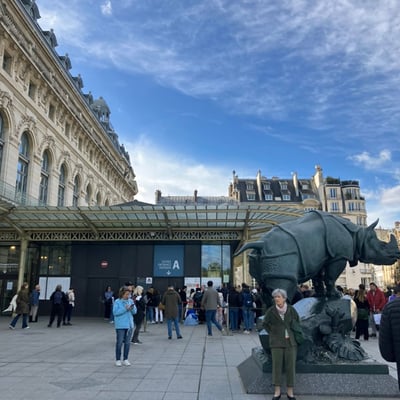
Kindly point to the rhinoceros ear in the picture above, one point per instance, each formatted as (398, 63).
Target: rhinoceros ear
(253, 245)
(373, 225)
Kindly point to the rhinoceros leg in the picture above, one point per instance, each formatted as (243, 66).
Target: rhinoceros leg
(318, 283)
(332, 272)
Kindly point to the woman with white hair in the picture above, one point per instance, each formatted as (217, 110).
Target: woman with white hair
(278, 320)
(138, 318)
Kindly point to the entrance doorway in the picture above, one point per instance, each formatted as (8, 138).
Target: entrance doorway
(95, 294)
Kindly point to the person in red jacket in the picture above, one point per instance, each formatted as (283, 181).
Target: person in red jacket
(377, 300)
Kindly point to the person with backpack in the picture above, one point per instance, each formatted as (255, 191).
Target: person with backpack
(57, 299)
(248, 313)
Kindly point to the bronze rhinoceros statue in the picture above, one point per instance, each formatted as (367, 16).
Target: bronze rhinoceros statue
(316, 246)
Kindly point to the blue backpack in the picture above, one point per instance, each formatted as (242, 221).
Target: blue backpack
(247, 300)
(58, 297)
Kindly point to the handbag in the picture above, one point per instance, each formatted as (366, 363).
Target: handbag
(297, 331)
(161, 306)
(377, 318)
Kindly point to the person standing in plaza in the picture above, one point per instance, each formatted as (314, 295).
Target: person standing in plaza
(158, 312)
(150, 306)
(138, 318)
(171, 301)
(248, 309)
(34, 303)
(210, 302)
(57, 300)
(69, 306)
(22, 307)
(377, 300)
(234, 304)
(108, 298)
(278, 321)
(362, 304)
(182, 310)
(123, 310)
(389, 338)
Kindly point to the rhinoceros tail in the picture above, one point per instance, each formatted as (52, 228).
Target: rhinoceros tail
(253, 245)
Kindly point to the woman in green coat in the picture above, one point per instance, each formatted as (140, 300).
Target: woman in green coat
(22, 307)
(278, 320)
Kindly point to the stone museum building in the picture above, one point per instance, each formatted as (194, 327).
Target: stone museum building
(68, 212)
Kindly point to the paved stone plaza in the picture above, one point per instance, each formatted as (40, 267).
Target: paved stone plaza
(77, 362)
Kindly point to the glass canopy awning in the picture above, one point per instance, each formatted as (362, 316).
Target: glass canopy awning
(144, 222)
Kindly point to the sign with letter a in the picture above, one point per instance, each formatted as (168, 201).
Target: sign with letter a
(168, 261)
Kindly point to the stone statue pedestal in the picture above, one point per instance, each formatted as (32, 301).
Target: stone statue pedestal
(362, 378)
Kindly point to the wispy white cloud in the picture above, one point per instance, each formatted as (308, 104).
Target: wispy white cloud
(106, 8)
(372, 163)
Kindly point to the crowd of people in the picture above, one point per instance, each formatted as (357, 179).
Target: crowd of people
(231, 308)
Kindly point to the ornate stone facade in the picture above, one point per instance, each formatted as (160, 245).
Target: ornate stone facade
(57, 146)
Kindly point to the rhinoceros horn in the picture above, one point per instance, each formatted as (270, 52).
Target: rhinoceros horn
(373, 225)
(253, 245)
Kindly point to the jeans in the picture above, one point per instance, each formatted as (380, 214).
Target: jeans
(248, 318)
(169, 326)
(24, 320)
(67, 313)
(234, 318)
(123, 338)
(135, 337)
(150, 314)
(180, 310)
(210, 318)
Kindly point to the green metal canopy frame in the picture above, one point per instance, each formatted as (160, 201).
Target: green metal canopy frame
(142, 222)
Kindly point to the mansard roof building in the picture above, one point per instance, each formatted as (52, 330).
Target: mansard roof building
(316, 193)
(57, 144)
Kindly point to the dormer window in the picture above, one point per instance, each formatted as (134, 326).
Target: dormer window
(249, 186)
(283, 186)
(266, 186)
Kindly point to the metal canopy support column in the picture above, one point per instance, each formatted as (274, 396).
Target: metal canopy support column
(22, 261)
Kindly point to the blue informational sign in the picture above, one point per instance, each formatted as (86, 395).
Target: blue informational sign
(168, 261)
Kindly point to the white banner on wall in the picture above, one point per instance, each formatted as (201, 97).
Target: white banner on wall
(48, 285)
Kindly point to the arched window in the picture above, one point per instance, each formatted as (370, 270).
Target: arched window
(77, 188)
(61, 187)
(44, 179)
(22, 169)
(88, 197)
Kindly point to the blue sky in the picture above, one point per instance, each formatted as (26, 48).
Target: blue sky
(198, 89)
